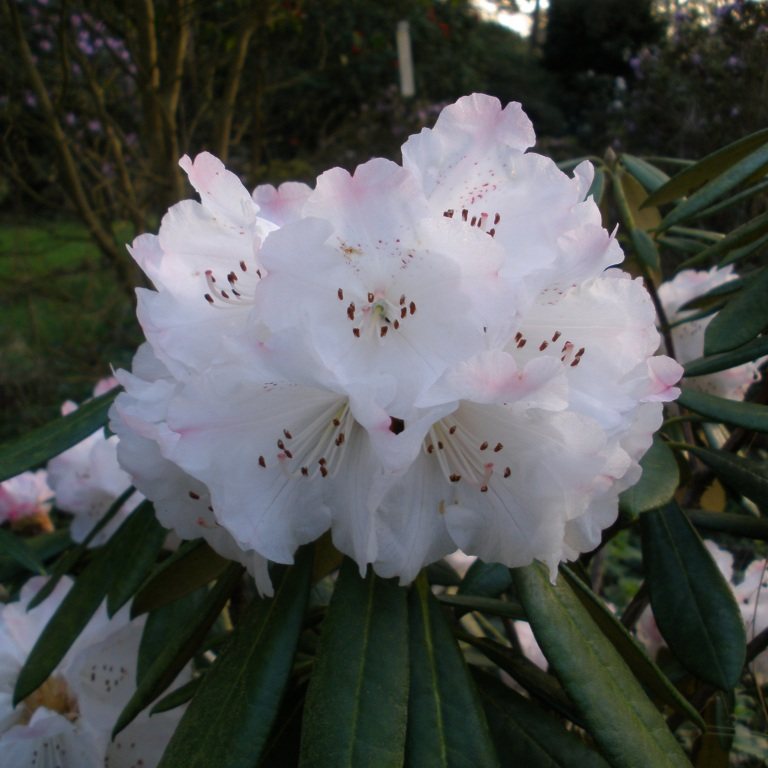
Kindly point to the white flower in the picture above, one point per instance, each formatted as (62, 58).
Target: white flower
(25, 496)
(181, 502)
(68, 720)
(431, 356)
(688, 337)
(87, 479)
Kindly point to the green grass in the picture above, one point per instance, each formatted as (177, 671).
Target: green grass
(65, 319)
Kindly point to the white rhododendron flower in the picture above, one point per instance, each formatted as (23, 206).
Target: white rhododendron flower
(25, 496)
(688, 337)
(418, 357)
(87, 479)
(67, 721)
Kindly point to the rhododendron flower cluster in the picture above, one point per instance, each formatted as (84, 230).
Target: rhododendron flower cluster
(67, 722)
(419, 357)
(688, 335)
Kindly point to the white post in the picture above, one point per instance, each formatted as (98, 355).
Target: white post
(405, 59)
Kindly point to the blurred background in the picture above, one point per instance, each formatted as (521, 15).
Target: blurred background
(98, 100)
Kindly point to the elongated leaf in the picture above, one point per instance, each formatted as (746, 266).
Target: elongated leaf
(161, 624)
(737, 412)
(652, 678)
(357, 701)
(746, 233)
(726, 522)
(77, 608)
(712, 165)
(744, 194)
(16, 548)
(714, 295)
(54, 438)
(230, 717)
(629, 730)
(693, 605)
(630, 197)
(178, 697)
(657, 484)
(647, 174)
(597, 188)
(527, 735)
(43, 547)
(181, 645)
(752, 350)
(716, 188)
(507, 608)
(485, 579)
(446, 723)
(746, 476)
(682, 244)
(742, 318)
(645, 249)
(194, 565)
(540, 684)
(70, 558)
(135, 558)
(746, 250)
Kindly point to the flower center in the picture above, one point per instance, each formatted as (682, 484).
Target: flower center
(54, 694)
(377, 314)
(232, 292)
(464, 456)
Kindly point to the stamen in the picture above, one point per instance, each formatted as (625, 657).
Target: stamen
(340, 294)
(193, 495)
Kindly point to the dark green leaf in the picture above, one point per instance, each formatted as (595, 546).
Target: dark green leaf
(737, 198)
(230, 717)
(716, 188)
(746, 250)
(694, 607)
(645, 249)
(192, 566)
(446, 724)
(752, 350)
(657, 484)
(711, 166)
(507, 608)
(713, 296)
(597, 188)
(54, 438)
(70, 558)
(178, 697)
(528, 736)
(161, 624)
(648, 175)
(742, 318)
(746, 476)
(746, 233)
(629, 730)
(135, 559)
(356, 707)
(682, 244)
(737, 412)
(16, 548)
(652, 678)
(485, 579)
(441, 573)
(43, 547)
(181, 645)
(745, 526)
(77, 608)
(540, 684)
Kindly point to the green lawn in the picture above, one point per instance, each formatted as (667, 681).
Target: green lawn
(65, 319)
